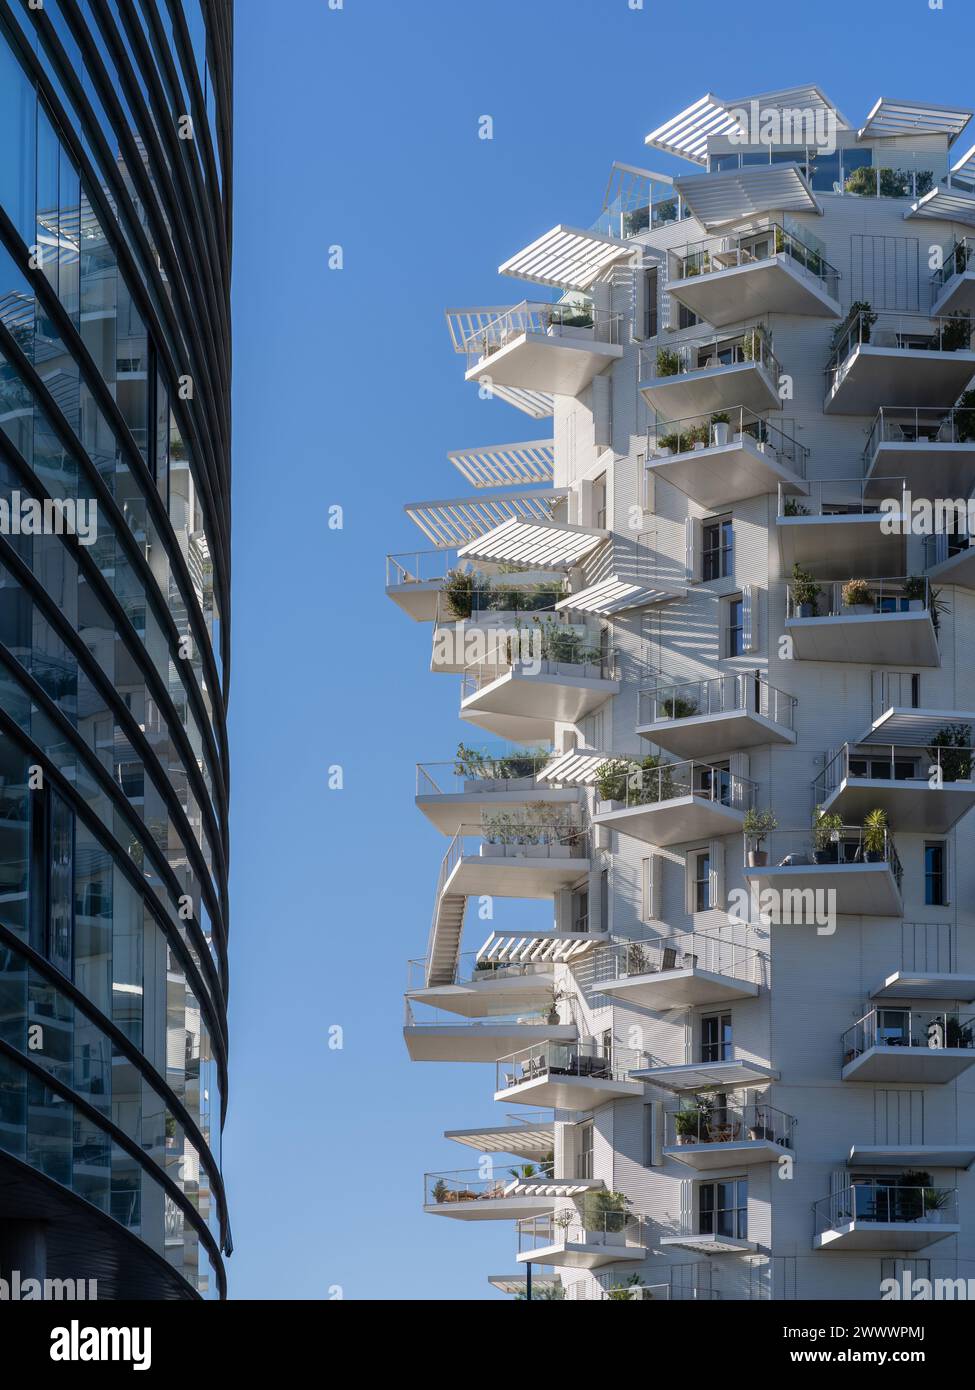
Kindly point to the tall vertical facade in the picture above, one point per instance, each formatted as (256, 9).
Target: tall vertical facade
(714, 632)
(115, 241)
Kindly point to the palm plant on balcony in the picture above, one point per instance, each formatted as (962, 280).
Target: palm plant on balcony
(951, 750)
(758, 825)
(826, 836)
(936, 1200)
(875, 835)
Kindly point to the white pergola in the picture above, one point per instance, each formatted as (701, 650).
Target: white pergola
(891, 117)
(536, 544)
(577, 767)
(458, 520)
(946, 204)
(687, 134)
(566, 258)
(613, 595)
(556, 949)
(912, 728)
(538, 404)
(506, 465)
(719, 199)
(524, 1140)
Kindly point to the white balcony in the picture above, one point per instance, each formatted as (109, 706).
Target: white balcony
(875, 1216)
(907, 1156)
(698, 376)
(953, 286)
(457, 521)
(913, 1046)
(483, 987)
(921, 984)
(718, 461)
(900, 359)
(673, 803)
(698, 719)
(931, 448)
(414, 581)
(707, 1243)
(515, 857)
(531, 1137)
(814, 874)
(567, 258)
(461, 792)
(950, 559)
(875, 622)
(767, 270)
(898, 780)
(567, 1076)
(679, 971)
(727, 1075)
(524, 699)
(466, 1195)
(706, 1135)
(571, 1239)
(490, 634)
(542, 1282)
(838, 527)
(434, 1035)
(555, 349)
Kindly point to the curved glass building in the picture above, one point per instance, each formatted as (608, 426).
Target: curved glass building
(115, 241)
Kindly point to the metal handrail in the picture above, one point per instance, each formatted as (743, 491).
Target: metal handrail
(892, 1026)
(830, 845)
(669, 701)
(889, 1202)
(644, 786)
(718, 955)
(571, 1227)
(581, 1059)
(545, 319)
(579, 660)
(706, 1121)
(471, 1184)
(516, 769)
(918, 425)
(419, 566)
(724, 253)
(839, 497)
(910, 333)
(471, 969)
(699, 431)
(953, 765)
(887, 597)
(750, 344)
(959, 260)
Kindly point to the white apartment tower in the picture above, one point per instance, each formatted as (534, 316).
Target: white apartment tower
(715, 635)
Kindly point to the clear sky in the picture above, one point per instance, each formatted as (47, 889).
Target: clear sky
(358, 127)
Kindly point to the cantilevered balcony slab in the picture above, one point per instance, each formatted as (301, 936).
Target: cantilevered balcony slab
(932, 467)
(729, 1154)
(919, 984)
(956, 569)
(673, 822)
(679, 988)
(913, 1066)
(584, 1254)
(874, 375)
(531, 1141)
(478, 1042)
(707, 1244)
(561, 365)
(448, 811)
(720, 387)
(705, 735)
(707, 1076)
(956, 295)
(510, 1199)
(517, 1284)
(566, 1078)
(859, 890)
(827, 545)
(875, 639)
(907, 1156)
(912, 805)
(495, 993)
(530, 871)
(775, 285)
(718, 475)
(884, 1235)
(524, 704)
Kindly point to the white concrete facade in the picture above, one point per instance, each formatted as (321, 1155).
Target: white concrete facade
(810, 982)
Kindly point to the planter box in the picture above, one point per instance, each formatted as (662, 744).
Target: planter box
(721, 433)
(863, 608)
(492, 851)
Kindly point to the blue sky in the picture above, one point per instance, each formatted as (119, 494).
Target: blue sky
(358, 127)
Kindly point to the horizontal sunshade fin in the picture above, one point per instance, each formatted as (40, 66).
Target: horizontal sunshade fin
(891, 117)
(535, 544)
(566, 258)
(576, 768)
(687, 133)
(946, 204)
(614, 595)
(913, 728)
(506, 465)
(731, 196)
(454, 522)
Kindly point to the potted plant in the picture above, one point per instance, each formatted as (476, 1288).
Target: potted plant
(860, 312)
(676, 707)
(951, 749)
(805, 592)
(793, 507)
(965, 417)
(440, 1190)
(857, 596)
(757, 827)
(688, 1125)
(915, 592)
(907, 1197)
(956, 333)
(875, 836)
(460, 587)
(936, 1199)
(826, 836)
(498, 835)
(611, 779)
(668, 362)
(720, 428)
(668, 444)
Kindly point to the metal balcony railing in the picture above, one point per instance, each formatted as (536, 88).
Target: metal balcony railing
(508, 835)
(419, 566)
(572, 1227)
(715, 351)
(637, 201)
(890, 762)
(470, 1184)
(765, 242)
(585, 1060)
(706, 1121)
(918, 425)
(840, 497)
(494, 605)
(862, 597)
(632, 784)
(744, 691)
(473, 969)
(718, 427)
(561, 651)
(569, 321)
(690, 950)
(827, 845)
(419, 1014)
(894, 1027)
(890, 1203)
(619, 1288)
(959, 260)
(516, 769)
(905, 332)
